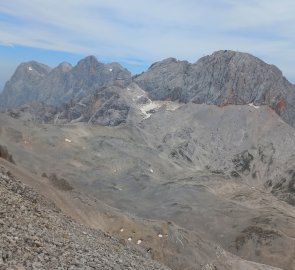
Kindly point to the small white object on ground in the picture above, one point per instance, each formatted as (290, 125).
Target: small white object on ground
(129, 239)
(67, 140)
(151, 170)
(121, 230)
(30, 69)
(110, 69)
(160, 235)
(139, 242)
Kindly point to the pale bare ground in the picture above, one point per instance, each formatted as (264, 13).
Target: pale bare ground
(123, 181)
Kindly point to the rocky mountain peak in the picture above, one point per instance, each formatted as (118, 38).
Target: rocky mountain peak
(30, 69)
(64, 67)
(222, 78)
(225, 77)
(88, 64)
(33, 82)
(239, 61)
(22, 85)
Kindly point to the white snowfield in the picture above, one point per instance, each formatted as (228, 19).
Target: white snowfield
(30, 69)
(155, 105)
(254, 106)
(145, 104)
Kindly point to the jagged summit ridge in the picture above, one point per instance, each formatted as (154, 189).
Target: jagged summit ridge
(225, 77)
(33, 82)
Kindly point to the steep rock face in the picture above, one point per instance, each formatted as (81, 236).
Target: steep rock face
(105, 106)
(108, 106)
(35, 82)
(23, 85)
(225, 77)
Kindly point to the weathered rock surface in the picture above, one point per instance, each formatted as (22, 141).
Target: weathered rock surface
(107, 106)
(33, 82)
(23, 85)
(5, 154)
(225, 77)
(34, 234)
(202, 167)
(212, 174)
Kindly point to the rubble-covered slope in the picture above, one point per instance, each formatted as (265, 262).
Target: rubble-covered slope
(34, 234)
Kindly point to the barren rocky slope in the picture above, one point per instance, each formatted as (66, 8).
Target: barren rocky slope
(208, 176)
(202, 186)
(34, 234)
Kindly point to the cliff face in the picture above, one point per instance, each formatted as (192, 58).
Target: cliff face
(33, 82)
(23, 85)
(225, 77)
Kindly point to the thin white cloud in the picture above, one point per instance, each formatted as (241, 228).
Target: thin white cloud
(149, 30)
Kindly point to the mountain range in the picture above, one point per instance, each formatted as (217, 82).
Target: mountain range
(223, 78)
(195, 160)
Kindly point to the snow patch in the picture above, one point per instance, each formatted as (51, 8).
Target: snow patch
(30, 69)
(252, 105)
(110, 69)
(154, 105)
(148, 107)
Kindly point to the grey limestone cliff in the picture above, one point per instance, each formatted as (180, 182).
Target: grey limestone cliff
(225, 77)
(33, 82)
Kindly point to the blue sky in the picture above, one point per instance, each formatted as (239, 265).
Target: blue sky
(137, 33)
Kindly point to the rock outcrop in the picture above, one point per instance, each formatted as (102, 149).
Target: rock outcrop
(33, 82)
(225, 77)
(23, 87)
(5, 154)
